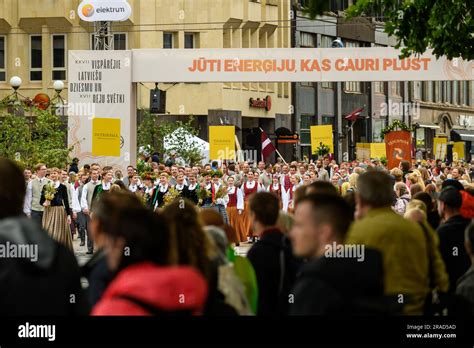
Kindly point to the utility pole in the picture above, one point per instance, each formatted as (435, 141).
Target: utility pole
(103, 36)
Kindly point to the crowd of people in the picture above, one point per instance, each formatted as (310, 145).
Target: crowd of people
(323, 238)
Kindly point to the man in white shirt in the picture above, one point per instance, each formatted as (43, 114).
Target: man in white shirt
(86, 202)
(32, 207)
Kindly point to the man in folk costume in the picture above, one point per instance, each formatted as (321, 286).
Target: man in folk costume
(32, 207)
(235, 207)
(86, 204)
(104, 186)
(249, 187)
(193, 186)
(181, 186)
(162, 190)
(265, 178)
(219, 201)
(285, 178)
(149, 190)
(134, 183)
(78, 190)
(207, 185)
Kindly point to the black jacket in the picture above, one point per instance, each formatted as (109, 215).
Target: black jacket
(451, 244)
(98, 276)
(48, 286)
(328, 286)
(269, 256)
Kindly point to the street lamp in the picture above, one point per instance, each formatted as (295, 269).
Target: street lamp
(58, 101)
(15, 82)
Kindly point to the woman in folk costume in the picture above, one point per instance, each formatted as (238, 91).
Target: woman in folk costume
(277, 189)
(219, 197)
(250, 186)
(193, 186)
(161, 190)
(206, 184)
(235, 208)
(57, 212)
(288, 198)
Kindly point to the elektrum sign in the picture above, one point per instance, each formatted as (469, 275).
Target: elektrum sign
(104, 10)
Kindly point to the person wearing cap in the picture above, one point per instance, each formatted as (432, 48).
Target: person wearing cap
(451, 234)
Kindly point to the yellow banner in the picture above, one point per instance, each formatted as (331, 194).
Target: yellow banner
(378, 150)
(439, 147)
(222, 142)
(106, 137)
(458, 151)
(321, 134)
(362, 151)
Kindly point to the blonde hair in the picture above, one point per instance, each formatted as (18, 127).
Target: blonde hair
(415, 214)
(417, 204)
(353, 180)
(344, 188)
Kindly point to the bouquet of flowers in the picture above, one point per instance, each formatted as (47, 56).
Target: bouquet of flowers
(49, 191)
(221, 193)
(202, 193)
(170, 196)
(322, 149)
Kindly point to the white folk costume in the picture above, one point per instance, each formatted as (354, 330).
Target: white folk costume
(220, 204)
(248, 188)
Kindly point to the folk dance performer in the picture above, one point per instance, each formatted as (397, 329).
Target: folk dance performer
(57, 212)
(235, 207)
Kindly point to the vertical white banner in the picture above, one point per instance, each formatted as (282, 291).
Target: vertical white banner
(102, 124)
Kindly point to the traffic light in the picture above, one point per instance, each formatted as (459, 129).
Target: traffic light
(157, 101)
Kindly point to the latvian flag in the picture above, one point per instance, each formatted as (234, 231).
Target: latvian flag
(267, 146)
(354, 114)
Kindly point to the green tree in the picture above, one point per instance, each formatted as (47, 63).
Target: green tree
(151, 136)
(446, 26)
(42, 141)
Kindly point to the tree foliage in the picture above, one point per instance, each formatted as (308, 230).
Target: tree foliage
(152, 133)
(446, 26)
(43, 140)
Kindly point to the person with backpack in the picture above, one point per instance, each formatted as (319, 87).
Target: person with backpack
(271, 256)
(403, 197)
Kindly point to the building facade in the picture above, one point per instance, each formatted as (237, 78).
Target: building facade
(436, 108)
(35, 37)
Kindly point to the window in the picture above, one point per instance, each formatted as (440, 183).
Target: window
(307, 40)
(455, 92)
(379, 87)
(168, 40)
(326, 42)
(59, 57)
(353, 86)
(378, 125)
(428, 91)
(396, 88)
(36, 58)
(3, 51)
(305, 127)
(189, 40)
(416, 89)
(465, 93)
(120, 42)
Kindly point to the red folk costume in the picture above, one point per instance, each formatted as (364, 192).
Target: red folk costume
(277, 189)
(236, 220)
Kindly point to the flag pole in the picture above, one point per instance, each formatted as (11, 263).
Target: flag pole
(278, 152)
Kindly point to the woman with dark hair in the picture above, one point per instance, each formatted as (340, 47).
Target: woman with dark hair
(190, 245)
(137, 244)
